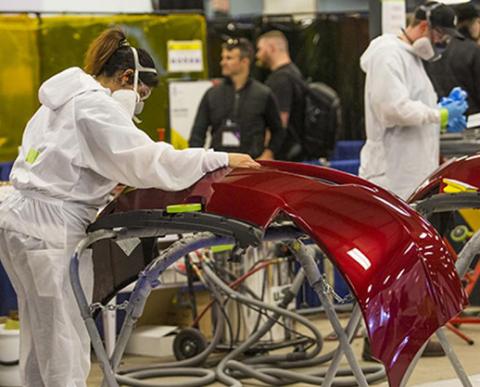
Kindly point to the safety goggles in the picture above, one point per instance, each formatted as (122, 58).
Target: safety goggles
(140, 87)
(144, 90)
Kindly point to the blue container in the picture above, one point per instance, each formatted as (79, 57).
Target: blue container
(8, 298)
(5, 169)
(347, 150)
(350, 166)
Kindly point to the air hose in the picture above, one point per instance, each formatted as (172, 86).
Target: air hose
(269, 369)
(279, 376)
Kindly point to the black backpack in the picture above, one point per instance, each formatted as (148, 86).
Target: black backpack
(322, 119)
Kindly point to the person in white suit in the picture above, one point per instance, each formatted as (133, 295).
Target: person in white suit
(76, 148)
(402, 118)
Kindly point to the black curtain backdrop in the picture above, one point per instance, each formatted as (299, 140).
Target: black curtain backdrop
(326, 48)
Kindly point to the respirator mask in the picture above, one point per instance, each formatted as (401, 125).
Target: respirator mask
(130, 99)
(424, 47)
(427, 50)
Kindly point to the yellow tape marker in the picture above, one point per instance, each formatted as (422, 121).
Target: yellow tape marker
(221, 248)
(32, 156)
(177, 208)
(455, 186)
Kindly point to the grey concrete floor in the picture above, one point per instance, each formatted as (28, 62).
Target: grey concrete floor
(429, 371)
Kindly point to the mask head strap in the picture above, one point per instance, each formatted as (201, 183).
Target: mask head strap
(428, 9)
(428, 12)
(138, 67)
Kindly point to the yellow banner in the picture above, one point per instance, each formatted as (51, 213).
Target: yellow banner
(175, 45)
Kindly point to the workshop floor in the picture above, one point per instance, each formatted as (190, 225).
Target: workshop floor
(428, 373)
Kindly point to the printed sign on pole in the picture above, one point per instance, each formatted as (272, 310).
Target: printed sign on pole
(393, 16)
(184, 56)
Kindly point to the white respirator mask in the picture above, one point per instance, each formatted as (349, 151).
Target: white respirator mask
(130, 98)
(424, 49)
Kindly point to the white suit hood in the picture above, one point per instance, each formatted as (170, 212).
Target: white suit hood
(381, 46)
(62, 87)
(401, 117)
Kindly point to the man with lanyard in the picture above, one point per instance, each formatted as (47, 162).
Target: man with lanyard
(402, 118)
(239, 110)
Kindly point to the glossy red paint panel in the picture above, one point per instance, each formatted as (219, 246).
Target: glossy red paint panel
(465, 169)
(395, 263)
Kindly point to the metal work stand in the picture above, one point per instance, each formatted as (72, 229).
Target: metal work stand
(464, 260)
(148, 280)
(242, 236)
(318, 283)
(446, 203)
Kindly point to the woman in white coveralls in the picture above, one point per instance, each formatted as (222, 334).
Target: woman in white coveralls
(76, 148)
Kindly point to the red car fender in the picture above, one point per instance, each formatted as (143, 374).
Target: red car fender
(465, 169)
(393, 260)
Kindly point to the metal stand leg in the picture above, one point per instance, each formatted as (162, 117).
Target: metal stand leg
(316, 282)
(134, 310)
(109, 318)
(412, 366)
(464, 260)
(109, 377)
(457, 366)
(350, 331)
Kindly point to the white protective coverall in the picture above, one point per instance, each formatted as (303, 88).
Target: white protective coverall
(401, 117)
(75, 149)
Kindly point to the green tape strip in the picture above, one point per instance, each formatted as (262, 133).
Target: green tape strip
(32, 156)
(177, 208)
(443, 119)
(222, 248)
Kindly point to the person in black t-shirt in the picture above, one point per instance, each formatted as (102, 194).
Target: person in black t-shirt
(239, 109)
(285, 81)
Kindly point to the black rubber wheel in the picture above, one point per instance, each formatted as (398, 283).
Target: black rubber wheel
(188, 343)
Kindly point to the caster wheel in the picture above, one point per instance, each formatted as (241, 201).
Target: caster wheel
(188, 343)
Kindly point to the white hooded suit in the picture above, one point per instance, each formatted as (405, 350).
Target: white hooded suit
(75, 149)
(401, 117)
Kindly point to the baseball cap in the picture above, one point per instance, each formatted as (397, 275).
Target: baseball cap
(441, 17)
(466, 11)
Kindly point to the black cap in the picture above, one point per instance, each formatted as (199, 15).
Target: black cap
(466, 11)
(442, 17)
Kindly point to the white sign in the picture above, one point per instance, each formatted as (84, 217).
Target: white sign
(394, 16)
(184, 98)
(185, 56)
(282, 7)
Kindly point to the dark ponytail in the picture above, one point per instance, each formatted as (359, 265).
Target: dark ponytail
(110, 52)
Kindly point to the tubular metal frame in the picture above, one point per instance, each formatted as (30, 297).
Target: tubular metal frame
(148, 279)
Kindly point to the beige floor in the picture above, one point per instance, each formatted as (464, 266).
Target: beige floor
(428, 370)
